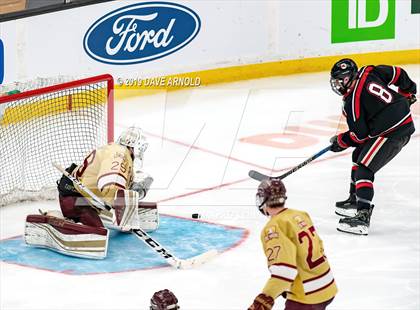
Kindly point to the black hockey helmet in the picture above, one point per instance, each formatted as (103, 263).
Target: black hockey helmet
(271, 193)
(164, 300)
(343, 73)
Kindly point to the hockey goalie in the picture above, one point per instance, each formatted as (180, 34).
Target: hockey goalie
(112, 172)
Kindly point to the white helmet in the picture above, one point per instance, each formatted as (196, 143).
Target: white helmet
(133, 137)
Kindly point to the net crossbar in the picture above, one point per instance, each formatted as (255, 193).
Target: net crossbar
(60, 123)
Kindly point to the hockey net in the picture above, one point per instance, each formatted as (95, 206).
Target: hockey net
(59, 123)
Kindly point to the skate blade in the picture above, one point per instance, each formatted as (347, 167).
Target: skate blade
(359, 230)
(345, 212)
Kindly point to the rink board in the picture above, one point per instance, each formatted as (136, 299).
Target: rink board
(182, 237)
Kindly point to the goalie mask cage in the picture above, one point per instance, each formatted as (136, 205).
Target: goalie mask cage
(60, 123)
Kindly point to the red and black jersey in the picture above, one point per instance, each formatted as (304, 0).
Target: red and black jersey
(373, 108)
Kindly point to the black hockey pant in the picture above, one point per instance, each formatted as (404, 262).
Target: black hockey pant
(368, 159)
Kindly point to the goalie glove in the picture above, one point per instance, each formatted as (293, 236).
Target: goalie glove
(141, 180)
(142, 186)
(65, 186)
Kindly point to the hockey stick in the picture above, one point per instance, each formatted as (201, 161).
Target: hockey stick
(142, 235)
(100, 205)
(172, 260)
(260, 176)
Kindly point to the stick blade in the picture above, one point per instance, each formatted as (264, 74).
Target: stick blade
(257, 175)
(197, 260)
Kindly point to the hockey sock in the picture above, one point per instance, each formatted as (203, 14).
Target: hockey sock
(353, 179)
(364, 178)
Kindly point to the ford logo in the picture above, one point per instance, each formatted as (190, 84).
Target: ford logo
(141, 32)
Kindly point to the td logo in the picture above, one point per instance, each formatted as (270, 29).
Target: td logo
(362, 20)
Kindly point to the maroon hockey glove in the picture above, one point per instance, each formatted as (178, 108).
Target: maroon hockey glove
(262, 302)
(337, 144)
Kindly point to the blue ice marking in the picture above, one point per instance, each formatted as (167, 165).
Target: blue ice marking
(182, 237)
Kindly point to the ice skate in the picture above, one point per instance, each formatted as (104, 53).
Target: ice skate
(358, 224)
(346, 208)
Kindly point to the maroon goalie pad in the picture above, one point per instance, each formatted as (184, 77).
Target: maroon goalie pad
(119, 205)
(147, 205)
(64, 226)
(66, 237)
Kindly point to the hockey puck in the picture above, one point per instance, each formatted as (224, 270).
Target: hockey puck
(195, 216)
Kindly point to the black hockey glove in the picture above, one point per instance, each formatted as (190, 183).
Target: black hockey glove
(412, 99)
(336, 146)
(65, 186)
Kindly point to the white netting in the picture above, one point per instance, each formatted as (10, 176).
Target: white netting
(60, 126)
(37, 83)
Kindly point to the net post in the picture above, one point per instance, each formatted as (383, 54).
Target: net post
(110, 114)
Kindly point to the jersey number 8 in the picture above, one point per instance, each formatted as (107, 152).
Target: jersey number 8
(379, 91)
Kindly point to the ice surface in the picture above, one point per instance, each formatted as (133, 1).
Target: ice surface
(202, 144)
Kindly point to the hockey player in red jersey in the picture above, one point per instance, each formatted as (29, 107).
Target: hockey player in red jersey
(299, 269)
(113, 173)
(376, 104)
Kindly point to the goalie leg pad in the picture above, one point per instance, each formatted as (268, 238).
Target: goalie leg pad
(66, 237)
(148, 216)
(125, 206)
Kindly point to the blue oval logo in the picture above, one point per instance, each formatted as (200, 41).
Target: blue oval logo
(1, 61)
(141, 32)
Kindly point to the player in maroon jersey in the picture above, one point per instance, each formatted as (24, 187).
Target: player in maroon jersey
(376, 104)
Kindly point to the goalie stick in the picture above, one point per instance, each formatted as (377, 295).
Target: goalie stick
(142, 235)
(260, 176)
(102, 205)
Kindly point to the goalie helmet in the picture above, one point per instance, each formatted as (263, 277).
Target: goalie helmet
(133, 137)
(164, 300)
(271, 193)
(343, 73)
